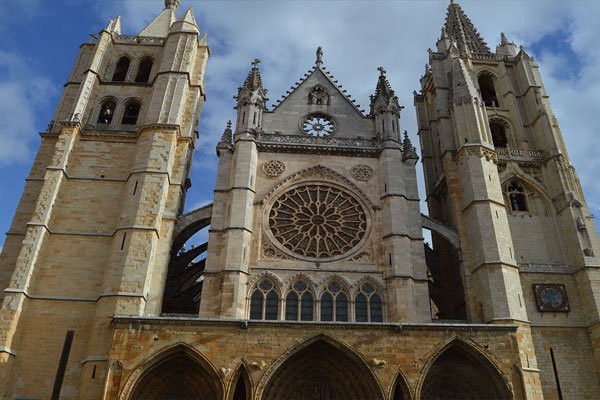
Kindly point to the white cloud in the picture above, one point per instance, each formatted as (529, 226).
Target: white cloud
(22, 93)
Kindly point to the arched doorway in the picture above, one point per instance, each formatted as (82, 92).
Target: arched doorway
(178, 376)
(322, 371)
(461, 372)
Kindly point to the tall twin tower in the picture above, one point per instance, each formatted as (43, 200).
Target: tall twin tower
(315, 282)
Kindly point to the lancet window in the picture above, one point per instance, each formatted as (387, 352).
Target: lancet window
(488, 92)
(264, 302)
(121, 70)
(299, 303)
(107, 111)
(516, 197)
(368, 306)
(144, 69)
(131, 113)
(334, 303)
(498, 134)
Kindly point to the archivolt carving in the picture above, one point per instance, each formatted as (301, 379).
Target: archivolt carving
(318, 221)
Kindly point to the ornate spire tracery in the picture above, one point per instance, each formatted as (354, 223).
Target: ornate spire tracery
(384, 98)
(461, 30)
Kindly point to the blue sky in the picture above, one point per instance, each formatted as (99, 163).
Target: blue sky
(40, 40)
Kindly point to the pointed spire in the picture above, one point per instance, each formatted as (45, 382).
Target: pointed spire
(461, 30)
(384, 97)
(253, 86)
(253, 80)
(114, 26)
(185, 23)
(408, 150)
(159, 26)
(319, 60)
(227, 138)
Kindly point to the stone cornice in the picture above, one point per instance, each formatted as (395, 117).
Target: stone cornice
(246, 324)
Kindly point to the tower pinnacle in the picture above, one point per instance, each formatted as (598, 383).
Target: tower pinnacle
(172, 4)
(319, 60)
(461, 30)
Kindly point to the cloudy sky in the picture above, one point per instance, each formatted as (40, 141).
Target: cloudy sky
(40, 40)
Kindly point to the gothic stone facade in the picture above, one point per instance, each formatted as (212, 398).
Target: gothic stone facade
(315, 282)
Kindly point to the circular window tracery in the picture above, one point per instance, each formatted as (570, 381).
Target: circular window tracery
(318, 125)
(317, 221)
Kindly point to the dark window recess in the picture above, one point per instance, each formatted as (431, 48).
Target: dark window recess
(488, 92)
(144, 69)
(361, 308)
(256, 305)
(326, 307)
(240, 390)
(376, 309)
(121, 69)
(341, 307)
(291, 307)
(498, 135)
(94, 372)
(132, 111)
(516, 196)
(271, 306)
(62, 365)
(306, 307)
(107, 111)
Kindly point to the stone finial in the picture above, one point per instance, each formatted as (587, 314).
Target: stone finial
(503, 39)
(227, 138)
(319, 60)
(408, 150)
(172, 4)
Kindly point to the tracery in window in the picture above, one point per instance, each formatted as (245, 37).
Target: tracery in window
(144, 69)
(498, 134)
(299, 303)
(488, 92)
(516, 197)
(334, 303)
(264, 302)
(131, 113)
(107, 111)
(368, 306)
(121, 69)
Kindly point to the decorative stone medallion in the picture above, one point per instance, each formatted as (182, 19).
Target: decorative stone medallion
(318, 124)
(317, 222)
(551, 297)
(273, 168)
(361, 172)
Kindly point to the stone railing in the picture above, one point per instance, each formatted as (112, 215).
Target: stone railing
(507, 153)
(328, 144)
(128, 39)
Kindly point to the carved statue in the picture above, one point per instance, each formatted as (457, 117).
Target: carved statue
(318, 95)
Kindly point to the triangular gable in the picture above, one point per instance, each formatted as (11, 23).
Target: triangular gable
(304, 99)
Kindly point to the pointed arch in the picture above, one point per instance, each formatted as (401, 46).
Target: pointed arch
(461, 369)
(335, 299)
(320, 366)
(369, 301)
(240, 385)
(300, 298)
(400, 389)
(178, 371)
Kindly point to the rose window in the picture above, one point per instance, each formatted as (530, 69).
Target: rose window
(318, 221)
(318, 125)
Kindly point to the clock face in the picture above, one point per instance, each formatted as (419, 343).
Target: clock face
(551, 297)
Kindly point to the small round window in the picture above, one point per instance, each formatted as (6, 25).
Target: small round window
(318, 125)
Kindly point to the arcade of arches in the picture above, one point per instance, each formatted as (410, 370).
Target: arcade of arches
(381, 363)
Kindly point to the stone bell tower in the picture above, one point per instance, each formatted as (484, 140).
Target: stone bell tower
(92, 232)
(498, 173)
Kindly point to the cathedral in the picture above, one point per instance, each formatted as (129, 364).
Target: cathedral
(316, 282)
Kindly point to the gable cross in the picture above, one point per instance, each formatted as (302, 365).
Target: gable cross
(255, 62)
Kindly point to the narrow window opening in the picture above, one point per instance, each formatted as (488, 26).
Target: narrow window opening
(107, 111)
(94, 372)
(361, 308)
(132, 111)
(254, 118)
(520, 304)
(383, 125)
(368, 305)
(516, 195)
(144, 69)
(291, 307)
(498, 135)
(306, 307)
(244, 117)
(390, 259)
(385, 187)
(121, 69)
(271, 307)
(393, 127)
(489, 177)
(123, 241)
(135, 188)
(488, 92)
(326, 307)
(62, 365)
(244, 257)
(497, 215)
